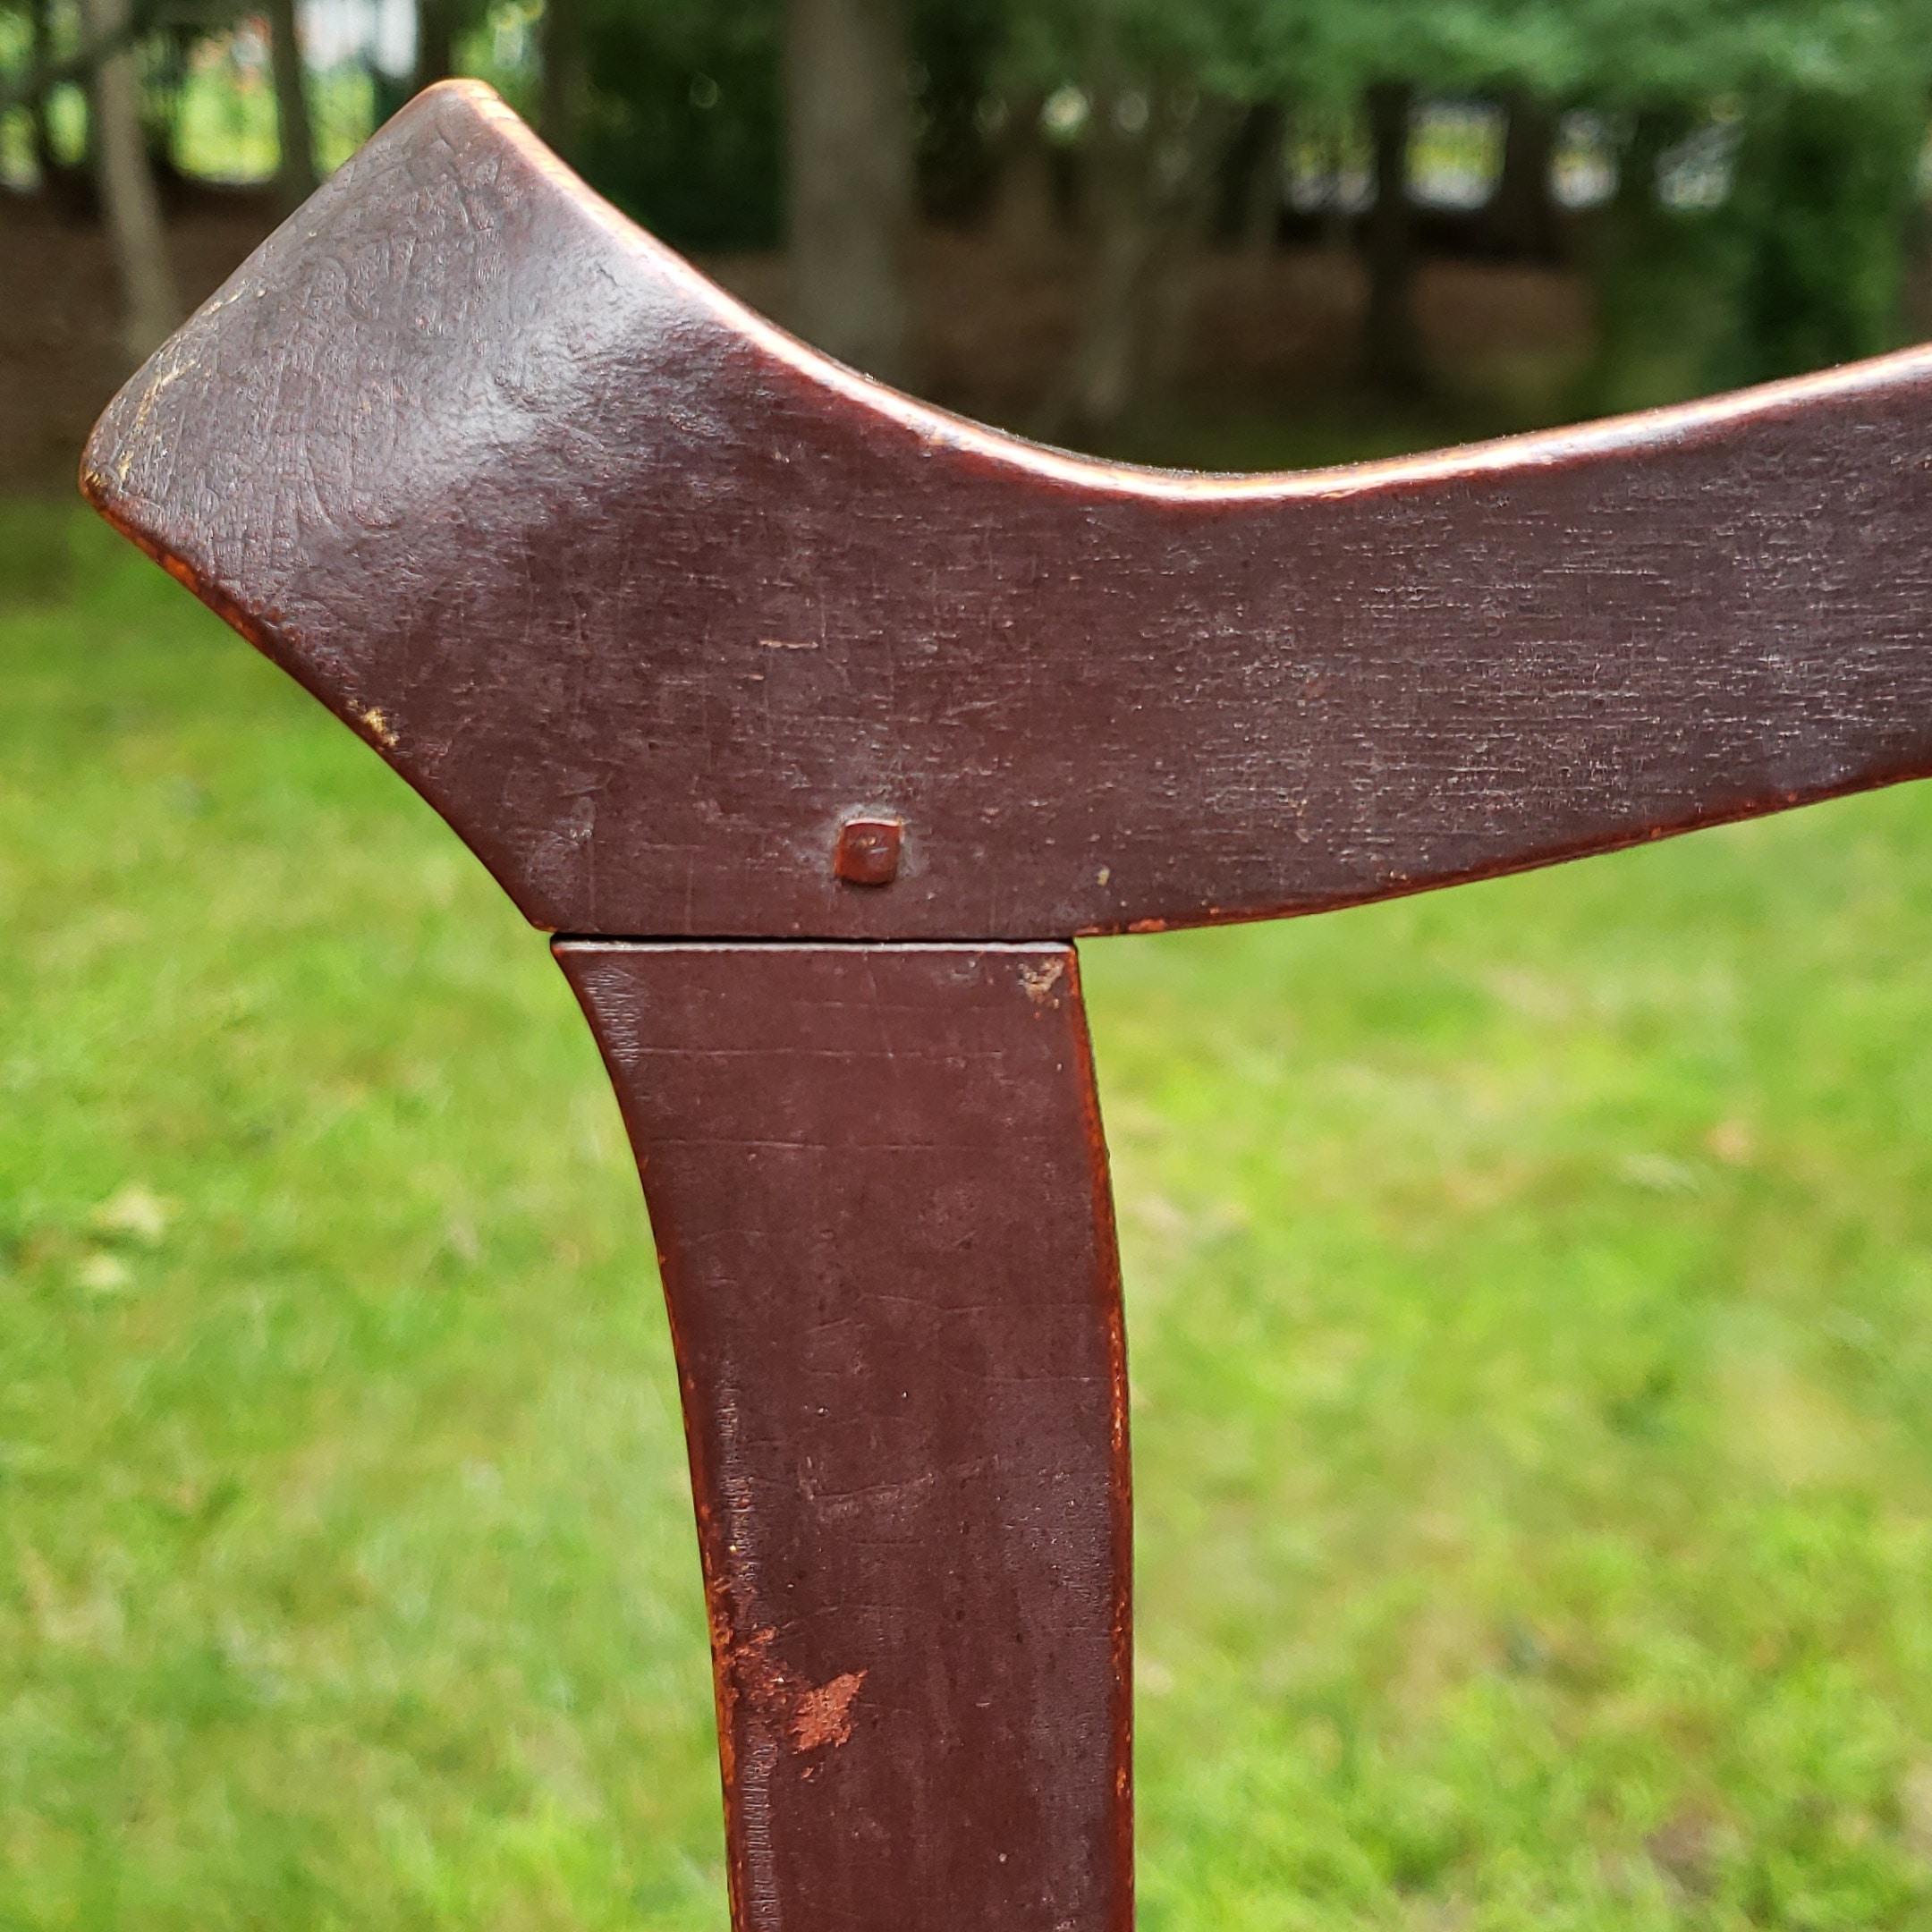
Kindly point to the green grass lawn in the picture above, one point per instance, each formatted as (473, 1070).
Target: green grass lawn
(1531, 1299)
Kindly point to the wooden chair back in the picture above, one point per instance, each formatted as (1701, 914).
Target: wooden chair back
(818, 726)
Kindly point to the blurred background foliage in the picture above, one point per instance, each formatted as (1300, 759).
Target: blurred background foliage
(1528, 1285)
(1058, 213)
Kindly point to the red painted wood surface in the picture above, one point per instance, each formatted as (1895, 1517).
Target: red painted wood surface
(697, 637)
(648, 600)
(879, 1193)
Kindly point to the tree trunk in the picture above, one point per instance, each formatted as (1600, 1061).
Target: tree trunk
(1631, 262)
(149, 305)
(848, 130)
(1026, 215)
(1109, 351)
(436, 43)
(40, 57)
(561, 54)
(296, 178)
(1636, 196)
(1151, 213)
(1522, 218)
(1337, 222)
(162, 68)
(1264, 154)
(1392, 350)
(1186, 216)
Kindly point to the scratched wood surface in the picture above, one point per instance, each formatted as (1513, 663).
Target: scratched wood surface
(879, 1194)
(648, 600)
(697, 638)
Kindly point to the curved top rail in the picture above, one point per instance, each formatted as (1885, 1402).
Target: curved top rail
(652, 602)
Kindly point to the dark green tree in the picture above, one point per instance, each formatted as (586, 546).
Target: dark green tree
(680, 120)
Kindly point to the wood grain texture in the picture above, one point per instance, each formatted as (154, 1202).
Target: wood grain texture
(648, 599)
(878, 1189)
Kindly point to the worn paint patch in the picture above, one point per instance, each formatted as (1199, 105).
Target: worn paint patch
(144, 409)
(810, 1717)
(381, 729)
(1041, 980)
(824, 1716)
